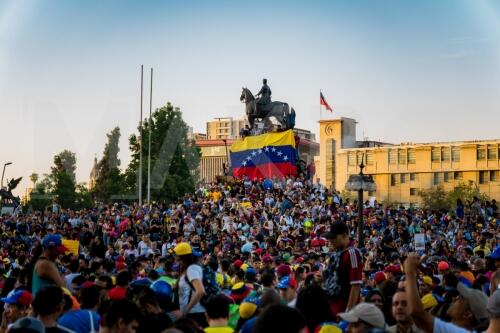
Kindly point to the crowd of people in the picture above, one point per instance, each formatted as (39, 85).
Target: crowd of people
(274, 255)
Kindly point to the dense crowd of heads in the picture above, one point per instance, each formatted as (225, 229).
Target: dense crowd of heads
(251, 256)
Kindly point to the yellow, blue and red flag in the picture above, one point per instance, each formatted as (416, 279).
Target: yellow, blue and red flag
(265, 156)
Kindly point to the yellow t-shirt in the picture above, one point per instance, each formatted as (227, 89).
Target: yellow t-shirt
(221, 329)
(224, 280)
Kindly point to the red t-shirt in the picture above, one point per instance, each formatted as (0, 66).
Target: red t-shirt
(348, 265)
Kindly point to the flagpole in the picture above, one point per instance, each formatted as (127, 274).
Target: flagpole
(140, 140)
(149, 148)
(320, 111)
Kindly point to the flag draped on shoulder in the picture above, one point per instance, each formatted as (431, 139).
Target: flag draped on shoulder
(265, 156)
(323, 102)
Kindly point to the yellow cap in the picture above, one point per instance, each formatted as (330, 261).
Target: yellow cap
(183, 249)
(427, 280)
(244, 267)
(429, 301)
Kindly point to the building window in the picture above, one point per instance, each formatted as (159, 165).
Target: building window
(447, 176)
(413, 192)
(438, 178)
(369, 158)
(455, 154)
(436, 154)
(494, 176)
(458, 175)
(481, 153)
(483, 177)
(412, 156)
(403, 178)
(445, 154)
(394, 180)
(492, 152)
(402, 156)
(393, 156)
(351, 158)
(413, 177)
(359, 158)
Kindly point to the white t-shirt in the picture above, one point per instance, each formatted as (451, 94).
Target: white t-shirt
(194, 272)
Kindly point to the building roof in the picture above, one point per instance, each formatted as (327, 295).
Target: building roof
(427, 144)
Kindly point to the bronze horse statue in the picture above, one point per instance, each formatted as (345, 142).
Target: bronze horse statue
(7, 196)
(282, 112)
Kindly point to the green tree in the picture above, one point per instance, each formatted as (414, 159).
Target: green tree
(434, 198)
(109, 180)
(83, 198)
(64, 179)
(437, 198)
(466, 192)
(42, 195)
(174, 157)
(34, 178)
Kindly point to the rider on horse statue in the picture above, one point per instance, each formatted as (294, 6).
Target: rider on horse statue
(265, 96)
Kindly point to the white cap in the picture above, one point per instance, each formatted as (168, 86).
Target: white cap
(366, 312)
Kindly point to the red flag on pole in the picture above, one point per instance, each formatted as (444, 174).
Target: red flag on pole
(323, 102)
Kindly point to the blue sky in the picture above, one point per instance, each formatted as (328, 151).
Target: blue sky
(406, 70)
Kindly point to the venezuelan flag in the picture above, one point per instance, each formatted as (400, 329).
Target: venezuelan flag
(264, 156)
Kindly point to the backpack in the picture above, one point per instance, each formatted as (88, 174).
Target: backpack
(209, 284)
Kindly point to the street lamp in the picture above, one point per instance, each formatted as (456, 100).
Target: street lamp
(3, 172)
(360, 183)
(227, 157)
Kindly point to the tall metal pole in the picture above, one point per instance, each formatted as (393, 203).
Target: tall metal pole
(3, 173)
(360, 210)
(149, 144)
(140, 139)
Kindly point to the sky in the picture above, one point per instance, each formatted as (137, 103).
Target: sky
(407, 71)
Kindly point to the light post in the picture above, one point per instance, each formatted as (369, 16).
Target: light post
(360, 183)
(227, 157)
(3, 172)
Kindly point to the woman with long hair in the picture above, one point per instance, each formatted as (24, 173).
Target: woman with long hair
(190, 285)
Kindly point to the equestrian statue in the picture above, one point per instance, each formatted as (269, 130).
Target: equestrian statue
(262, 108)
(7, 196)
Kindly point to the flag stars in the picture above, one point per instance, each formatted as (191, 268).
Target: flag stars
(266, 149)
(260, 151)
(254, 153)
(285, 158)
(244, 163)
(273, 149)
(279, 153)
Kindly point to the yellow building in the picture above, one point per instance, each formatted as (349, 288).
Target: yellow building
(224, 128)
(400, 171)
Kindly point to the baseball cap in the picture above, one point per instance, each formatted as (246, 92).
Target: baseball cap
(366, 312)
(478, 301)
(56, 241)
(21, 297)
(337, 228)
(248, 306)
(284, 270)
(429, 301)
(183, 249)
(427, 280)
(237, 263)
(267, 258)
(443, 266)
(493, 306)
(27, 324)
(287, 282)
(379, 277)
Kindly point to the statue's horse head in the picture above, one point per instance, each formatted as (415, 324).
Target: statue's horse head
(246, 95)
